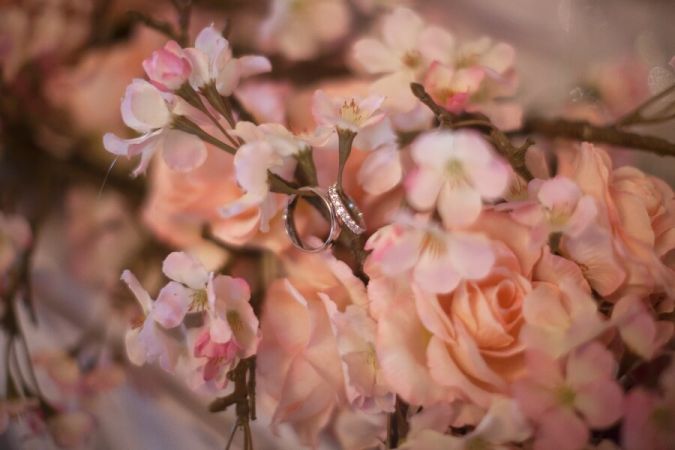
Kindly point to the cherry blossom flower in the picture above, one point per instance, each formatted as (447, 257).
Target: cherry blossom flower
(267, 148)
(147, 341)
(502, 424)
(560, 313)
(566, 403)
(382, 170)
(452, 88)
(168, 68)
(557, 206)
(346, 114)
(355, 332)
(648, 415)
(455, 171)
(407, 49)
(436, 260)
(299, 29)
(638, 327)
(213, 63)
(150, 112)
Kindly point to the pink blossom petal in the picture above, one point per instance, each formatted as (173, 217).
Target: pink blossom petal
(139, 292)
(381, 171)
(228, 78)
(324, 109)
(186, 269)
(559, 191)
(561, 429)
(436, 272)
(143, 107)
(423, 187)
(588, 364)
(220, 330)
(636, 325)
(401, 29)
(436, 44)
(253, 65)
(583, 215)
(374, 57)
(459, 205)
(172, 303)
(472, 255)
(401, 350)
(183, 152)
(600, 402)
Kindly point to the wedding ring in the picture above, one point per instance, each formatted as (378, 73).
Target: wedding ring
(289, 220)
(349, 215)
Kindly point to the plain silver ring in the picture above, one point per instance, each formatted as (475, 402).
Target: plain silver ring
(349, 215)
(289, 220)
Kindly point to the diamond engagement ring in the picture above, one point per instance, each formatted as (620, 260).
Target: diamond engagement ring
(349, 215)
(289, 220)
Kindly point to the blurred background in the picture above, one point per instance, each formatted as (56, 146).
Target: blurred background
(65, 65)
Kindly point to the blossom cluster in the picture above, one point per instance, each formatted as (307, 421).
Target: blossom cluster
(498, 299)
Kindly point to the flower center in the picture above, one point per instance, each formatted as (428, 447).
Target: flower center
(477, 443)
(235, 321)
(566, 396)
(433, 244)
(199, 300)
(350, 112)
(412, 59)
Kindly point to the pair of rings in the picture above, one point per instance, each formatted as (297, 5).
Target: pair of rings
(341, 211)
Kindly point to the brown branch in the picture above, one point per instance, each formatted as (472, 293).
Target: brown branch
(514, 154)
(584, 131)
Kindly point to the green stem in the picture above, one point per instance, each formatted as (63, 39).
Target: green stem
(346, 139)
(186, 125)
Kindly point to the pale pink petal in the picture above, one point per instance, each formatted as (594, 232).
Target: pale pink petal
(143, 107)
(491, 180)
(504, 422)
(401, 350)
(559, 191)
(472, 255)
(183, 152)
(172, 303)
(220, 330)
(436, 272)
(228, 78)
(210, 41)
(432, 315)
(374, 57)
(401, 29)
(253, 65)
(400, 254)
(423, 187)
(600, 402)
(636, 325)
(381, 171)
(583, 215)
(186, 269)
(435, 149)
(561, 429)
(543, 308)
(436, 44)
(324, 109)
(638, 431)
(127, 147)
(396, 89)
(588, 364)
(135, 348)
(139, 292)
(459, 205)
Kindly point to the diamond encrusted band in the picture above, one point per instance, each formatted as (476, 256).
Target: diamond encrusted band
(350, 215)
(289, 220)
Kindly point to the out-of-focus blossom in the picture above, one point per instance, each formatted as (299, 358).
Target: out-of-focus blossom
(298, 360)
(407, 48)
(557, 205)
(435, 260)
(355, 332)
(265, 100)
(10, 409)
(649, 417)
(566, 403)
(168, 68)
(455, 172)
(559, 313)
(299, 29)
(638, 328)
(452, 88)
(147, 341)
(212, 63)
(149, 111)
(502, 425)
(267, 148)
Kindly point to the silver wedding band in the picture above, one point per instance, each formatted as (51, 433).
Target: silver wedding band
(349, 215)
(289, 220)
